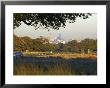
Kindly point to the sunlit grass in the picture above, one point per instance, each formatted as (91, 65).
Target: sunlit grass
(62, 55)
(30, 69)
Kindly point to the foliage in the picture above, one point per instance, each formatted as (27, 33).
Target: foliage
(47, 20)
(89, 43)
(43, 45)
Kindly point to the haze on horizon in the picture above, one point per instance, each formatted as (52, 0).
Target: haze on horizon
(81, 29)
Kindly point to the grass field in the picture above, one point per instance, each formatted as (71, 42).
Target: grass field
(62, 55)
(33, 63)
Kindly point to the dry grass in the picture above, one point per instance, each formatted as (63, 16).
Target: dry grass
(75, 56)
(62, 55)
(29, 69)
(55, 64)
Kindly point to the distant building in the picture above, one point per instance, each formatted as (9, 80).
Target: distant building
(57, 40)
(27, 51)
(51, 52)
(87, 51)
(54, 40)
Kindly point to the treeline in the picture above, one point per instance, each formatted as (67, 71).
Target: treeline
(43, 45)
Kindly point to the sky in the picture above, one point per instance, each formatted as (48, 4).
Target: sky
(81, 29)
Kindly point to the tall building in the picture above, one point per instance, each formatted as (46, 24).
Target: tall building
(57, 40)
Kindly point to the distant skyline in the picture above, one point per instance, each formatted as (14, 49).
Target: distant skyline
(81, 29)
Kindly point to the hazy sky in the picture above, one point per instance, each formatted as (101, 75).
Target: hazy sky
(81, 29)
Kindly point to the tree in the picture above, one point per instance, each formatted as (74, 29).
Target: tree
(19, 44)
(42, 44)
(72, 46)
(47, 20)
(89, 44)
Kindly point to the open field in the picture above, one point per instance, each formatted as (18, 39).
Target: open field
(62, 55)
(55, 64)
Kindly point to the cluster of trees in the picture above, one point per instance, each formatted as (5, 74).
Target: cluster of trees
(42, 44)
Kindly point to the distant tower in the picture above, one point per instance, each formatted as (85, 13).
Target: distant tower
(59, 37)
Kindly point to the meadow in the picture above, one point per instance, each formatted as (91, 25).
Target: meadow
(43, 63)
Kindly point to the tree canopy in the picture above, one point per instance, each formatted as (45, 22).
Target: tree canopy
(47, 20)
(43, 45)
